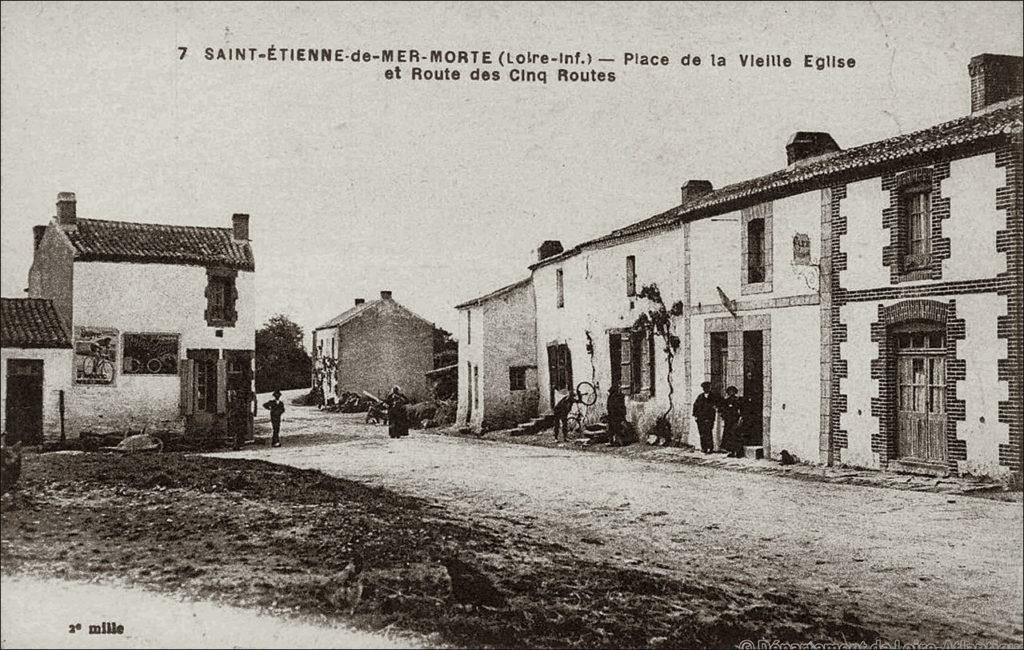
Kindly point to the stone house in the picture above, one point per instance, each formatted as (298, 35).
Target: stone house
(35, 377)
(867, 301)
(374, 346)
(161, 317)
(497, 386)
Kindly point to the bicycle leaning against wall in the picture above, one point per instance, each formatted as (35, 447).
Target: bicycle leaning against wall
(584, 397)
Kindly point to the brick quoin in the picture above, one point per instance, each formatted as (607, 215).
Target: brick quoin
(1011, 325)
(838, 401)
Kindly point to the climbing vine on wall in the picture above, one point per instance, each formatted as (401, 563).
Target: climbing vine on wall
(658, 320)
(590, 353)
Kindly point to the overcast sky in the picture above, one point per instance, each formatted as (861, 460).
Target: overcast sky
(439, 191)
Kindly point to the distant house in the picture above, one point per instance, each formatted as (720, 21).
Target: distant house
(161, 319)
(498, 358)
(374, 346)
(35, 352)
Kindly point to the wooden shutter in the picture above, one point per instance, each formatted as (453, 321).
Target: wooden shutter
(186, 375)
(222, 385)
(615, 354)
(626, 363)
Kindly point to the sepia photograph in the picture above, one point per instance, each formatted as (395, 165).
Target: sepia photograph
(512, 325)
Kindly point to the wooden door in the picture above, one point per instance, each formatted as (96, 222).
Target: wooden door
(921, 396)
(24, 417)
(238, 392)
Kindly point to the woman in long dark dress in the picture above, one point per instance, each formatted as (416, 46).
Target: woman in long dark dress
(398, 421)
(731, 411)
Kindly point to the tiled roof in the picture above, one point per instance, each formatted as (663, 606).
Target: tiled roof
(494, 294)
(806, 175)
(348, 315)
(352, 313)
(31, 323)
(97, 240)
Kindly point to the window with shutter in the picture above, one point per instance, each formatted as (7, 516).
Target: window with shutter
(221, 297)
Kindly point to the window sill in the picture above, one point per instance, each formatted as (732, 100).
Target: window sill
(748, 288)
(220, 323)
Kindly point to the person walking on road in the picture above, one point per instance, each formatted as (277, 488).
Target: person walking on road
(276, 408)
(705, 407)
(398, 421)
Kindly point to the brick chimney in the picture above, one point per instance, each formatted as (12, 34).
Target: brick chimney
(549, 248)
(360, 301)
(994, 78)
(692, 189)
(37, 236)
(66, 212)
(385, 295)
(240, 226)
(809, 144)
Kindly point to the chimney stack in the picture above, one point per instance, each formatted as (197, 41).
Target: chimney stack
(809, 144)
(994, 78)
(693, 188)
(240, 226)
(385, 295)
(37, 236)
(360, 301)
(66, 212)
(549, 248)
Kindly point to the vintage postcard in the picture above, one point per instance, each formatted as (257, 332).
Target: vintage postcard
(512, 325)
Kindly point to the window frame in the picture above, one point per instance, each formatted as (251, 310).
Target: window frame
(517, 378)
(911, 261)
(226, 314)
(559, 288)
(631, 355)
(630, 276)
(764, 252)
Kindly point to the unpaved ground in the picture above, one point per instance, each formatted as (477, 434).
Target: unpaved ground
(40, 613)
(914, 566)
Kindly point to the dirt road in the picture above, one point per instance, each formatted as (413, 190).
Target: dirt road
(916, 566)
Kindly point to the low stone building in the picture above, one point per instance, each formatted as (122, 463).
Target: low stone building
(162, 320)
(35, 377)
(374, 346)
(498, 358)
(867, 302)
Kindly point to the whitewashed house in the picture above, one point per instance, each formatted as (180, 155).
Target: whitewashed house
(497, 385)
(162, 321)
(35, 370)
(867, 301)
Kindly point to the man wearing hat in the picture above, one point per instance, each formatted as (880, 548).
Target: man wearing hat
(704, 411)
(276, 408)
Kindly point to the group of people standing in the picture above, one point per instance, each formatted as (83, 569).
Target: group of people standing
(732, 408)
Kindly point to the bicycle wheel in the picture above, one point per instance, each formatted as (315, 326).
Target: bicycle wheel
(153, 365)
(105, 370)
(586, 393)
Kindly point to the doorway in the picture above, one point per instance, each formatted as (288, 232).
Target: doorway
(753, 386)
(920, 374)
(238, 383)
(24, 416)
(559, 370)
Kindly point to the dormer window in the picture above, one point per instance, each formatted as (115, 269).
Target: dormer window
(221, 297)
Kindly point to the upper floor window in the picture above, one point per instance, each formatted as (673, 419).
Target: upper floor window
(756, 260)
(560, 287)
(221, 297)
(755, 251)
(917, 224)
(631, 275)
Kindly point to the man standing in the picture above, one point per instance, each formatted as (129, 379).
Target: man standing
(704, 409)
(616, 416)
(276, 408)
(398, 424)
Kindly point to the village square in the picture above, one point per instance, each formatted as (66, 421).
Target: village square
(780, 410)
